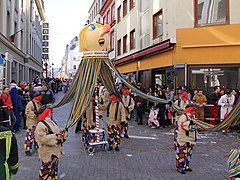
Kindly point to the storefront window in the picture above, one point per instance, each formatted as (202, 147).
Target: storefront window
(207, 77)
(160, 79)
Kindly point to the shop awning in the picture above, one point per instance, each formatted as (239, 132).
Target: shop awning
(152, 50)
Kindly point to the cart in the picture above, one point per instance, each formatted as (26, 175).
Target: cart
(95, 142)
(97, 135)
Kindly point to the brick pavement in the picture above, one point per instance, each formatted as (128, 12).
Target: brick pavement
(139, 158)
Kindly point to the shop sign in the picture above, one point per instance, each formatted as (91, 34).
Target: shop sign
(179, 66)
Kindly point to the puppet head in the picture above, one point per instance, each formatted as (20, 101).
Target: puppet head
(94, 37)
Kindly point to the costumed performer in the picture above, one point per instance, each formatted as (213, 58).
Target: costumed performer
(49, 138)
(186, 138)
(89, 123)
(32, 120)
(128, 104)
(181, 103)
(115, 115)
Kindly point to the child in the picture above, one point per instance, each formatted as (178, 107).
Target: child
(152, 120)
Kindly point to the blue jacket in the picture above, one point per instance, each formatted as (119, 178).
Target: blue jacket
(16, 101)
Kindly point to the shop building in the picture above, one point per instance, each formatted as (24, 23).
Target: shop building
(194, 43)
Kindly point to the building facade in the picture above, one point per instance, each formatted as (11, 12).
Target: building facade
(93, 11)
(21, 38)
(74, 57)
(63, 70)
(108, 14)
(71, 60)
(187, 42)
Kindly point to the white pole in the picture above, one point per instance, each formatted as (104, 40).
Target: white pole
(97, 113)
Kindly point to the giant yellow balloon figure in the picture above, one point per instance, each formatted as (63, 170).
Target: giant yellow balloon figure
(94, 43)
(94, 37)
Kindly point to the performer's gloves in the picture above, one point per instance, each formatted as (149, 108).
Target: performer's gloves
(191, 122)
(122, 123)
(61, 138)
(170, 103)
(194, 127)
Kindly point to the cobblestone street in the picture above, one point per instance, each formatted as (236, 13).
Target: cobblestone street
(148, 154)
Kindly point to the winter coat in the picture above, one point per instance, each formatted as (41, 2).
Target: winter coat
(8, 153)
(90, 116)
(103, 101)
(111, 111)
(152, 118)
(31, 114)
(184, 126)
(16, 101)
(129, 104)
(48, 144)
(6, 99)
(139, 104)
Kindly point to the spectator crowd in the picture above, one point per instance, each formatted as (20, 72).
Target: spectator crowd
(27, 104)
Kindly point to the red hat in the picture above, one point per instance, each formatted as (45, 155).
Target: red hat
(126, 91)
(22, 86)
(184, 94)
(38, 98)
(114, 98)
(189, 108)
(44, 114)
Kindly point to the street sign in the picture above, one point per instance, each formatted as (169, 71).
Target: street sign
(1, 72)
(45, 37)
(45, 56)
(45, 25)
(179, 66)
(45, 43)
(45, 50)
(1, 60)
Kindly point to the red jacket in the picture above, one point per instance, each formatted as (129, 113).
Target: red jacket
(7, 100)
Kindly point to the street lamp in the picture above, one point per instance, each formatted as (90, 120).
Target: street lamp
(52, 70)
(46, 65)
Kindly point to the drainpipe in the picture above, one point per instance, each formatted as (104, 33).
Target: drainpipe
(6, 68)
(185, 83)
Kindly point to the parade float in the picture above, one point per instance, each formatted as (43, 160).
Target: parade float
(96, 65)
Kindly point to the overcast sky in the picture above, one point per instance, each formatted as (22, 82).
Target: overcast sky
(66, 18)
